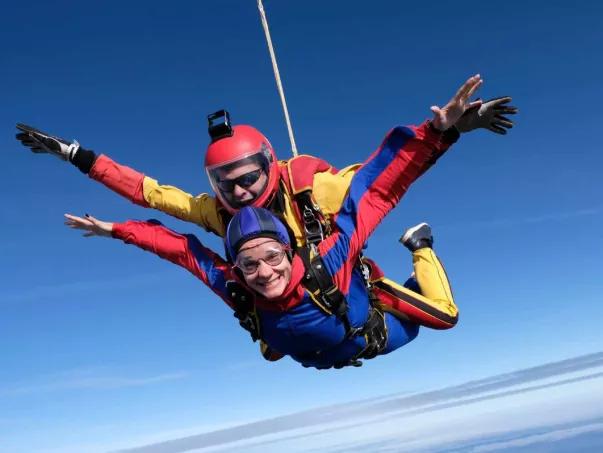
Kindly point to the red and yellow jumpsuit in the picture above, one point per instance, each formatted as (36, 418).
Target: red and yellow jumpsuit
(294, 324)
(329, 190)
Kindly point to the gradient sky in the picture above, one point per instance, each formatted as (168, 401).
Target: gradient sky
(103, 346)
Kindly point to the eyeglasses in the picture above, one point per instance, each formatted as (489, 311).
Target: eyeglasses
(272, 257)
(245, 181)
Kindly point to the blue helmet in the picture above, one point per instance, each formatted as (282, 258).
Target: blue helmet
(251, 222)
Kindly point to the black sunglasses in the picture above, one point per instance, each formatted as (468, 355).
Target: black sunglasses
(245, 181)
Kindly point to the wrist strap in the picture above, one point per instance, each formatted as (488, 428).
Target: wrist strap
(84, 160)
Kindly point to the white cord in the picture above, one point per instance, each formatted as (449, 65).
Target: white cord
(277, 76)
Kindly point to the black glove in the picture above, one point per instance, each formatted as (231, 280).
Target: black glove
(41, 142)
(490, 115)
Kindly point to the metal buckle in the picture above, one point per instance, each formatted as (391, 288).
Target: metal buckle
(247, 323)
(312, 226)
(366, 273)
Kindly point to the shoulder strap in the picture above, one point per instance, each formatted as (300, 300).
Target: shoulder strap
(320, 284)
(298, 177)
(298, 173)
(316, 227)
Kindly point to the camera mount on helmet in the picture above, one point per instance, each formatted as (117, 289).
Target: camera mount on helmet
(219, 125)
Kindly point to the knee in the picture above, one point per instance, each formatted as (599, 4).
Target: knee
(447, 321)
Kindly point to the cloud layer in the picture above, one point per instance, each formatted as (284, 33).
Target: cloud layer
(551, 395)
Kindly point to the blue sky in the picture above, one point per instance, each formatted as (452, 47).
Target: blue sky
(105, 347)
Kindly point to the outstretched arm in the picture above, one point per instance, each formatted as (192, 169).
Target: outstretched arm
(380, 183)
(127, 182)
(494, 115)
(184, 250)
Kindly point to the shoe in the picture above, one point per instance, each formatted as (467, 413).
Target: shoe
(417, 237)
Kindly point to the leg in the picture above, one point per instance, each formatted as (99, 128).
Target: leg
(434, 306)
(399, 332)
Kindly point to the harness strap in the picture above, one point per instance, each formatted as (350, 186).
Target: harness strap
(375, 334)
(244, 309)
(320, 284)
(315, 226)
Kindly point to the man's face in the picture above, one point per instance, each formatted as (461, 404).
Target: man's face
(240, 176)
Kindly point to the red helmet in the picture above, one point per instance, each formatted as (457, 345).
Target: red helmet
(246, 160)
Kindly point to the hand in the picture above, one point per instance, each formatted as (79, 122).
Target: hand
(93, 226)
(41, 142)
(447, 116)
(490, 115)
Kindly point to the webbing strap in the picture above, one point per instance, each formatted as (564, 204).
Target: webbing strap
(318, 282)
(244, 309)
(311, 217)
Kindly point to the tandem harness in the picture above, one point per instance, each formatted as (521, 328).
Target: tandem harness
(326, 295)
(330, 299)
(324, 291)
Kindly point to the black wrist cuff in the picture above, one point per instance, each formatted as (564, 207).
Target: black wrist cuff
(84, 160)
(451, 135)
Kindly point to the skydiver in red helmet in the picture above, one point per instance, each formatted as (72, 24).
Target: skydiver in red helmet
(305, 192)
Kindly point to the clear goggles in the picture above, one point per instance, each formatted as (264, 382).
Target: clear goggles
(272, 256)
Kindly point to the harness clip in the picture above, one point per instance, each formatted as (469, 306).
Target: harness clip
(312, 226)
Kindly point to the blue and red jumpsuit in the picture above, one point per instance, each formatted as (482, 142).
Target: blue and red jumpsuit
(294, 324)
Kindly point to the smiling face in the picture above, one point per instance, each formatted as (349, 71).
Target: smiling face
(269, 280)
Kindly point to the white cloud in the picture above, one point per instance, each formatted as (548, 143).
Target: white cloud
(552, 436)
(87, 379)
(555, 393)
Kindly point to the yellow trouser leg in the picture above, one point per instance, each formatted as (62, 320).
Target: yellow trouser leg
(433, 281)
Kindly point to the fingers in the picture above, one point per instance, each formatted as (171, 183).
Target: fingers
(73, 217)
(91, 225)
(506, 109)
(29, 130)
(497, 129)
(27, 139)
(465, 87)
(32, 141)
(468, 88)
(94, 220)
(24, 127)
(477, 83)
(78, 223)
(500, 105)
(500, 100)
(472, 105)
(502, 121)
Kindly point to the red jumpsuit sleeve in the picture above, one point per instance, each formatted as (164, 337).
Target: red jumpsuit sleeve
(376, 189)
(126, 181)
(181, 249)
